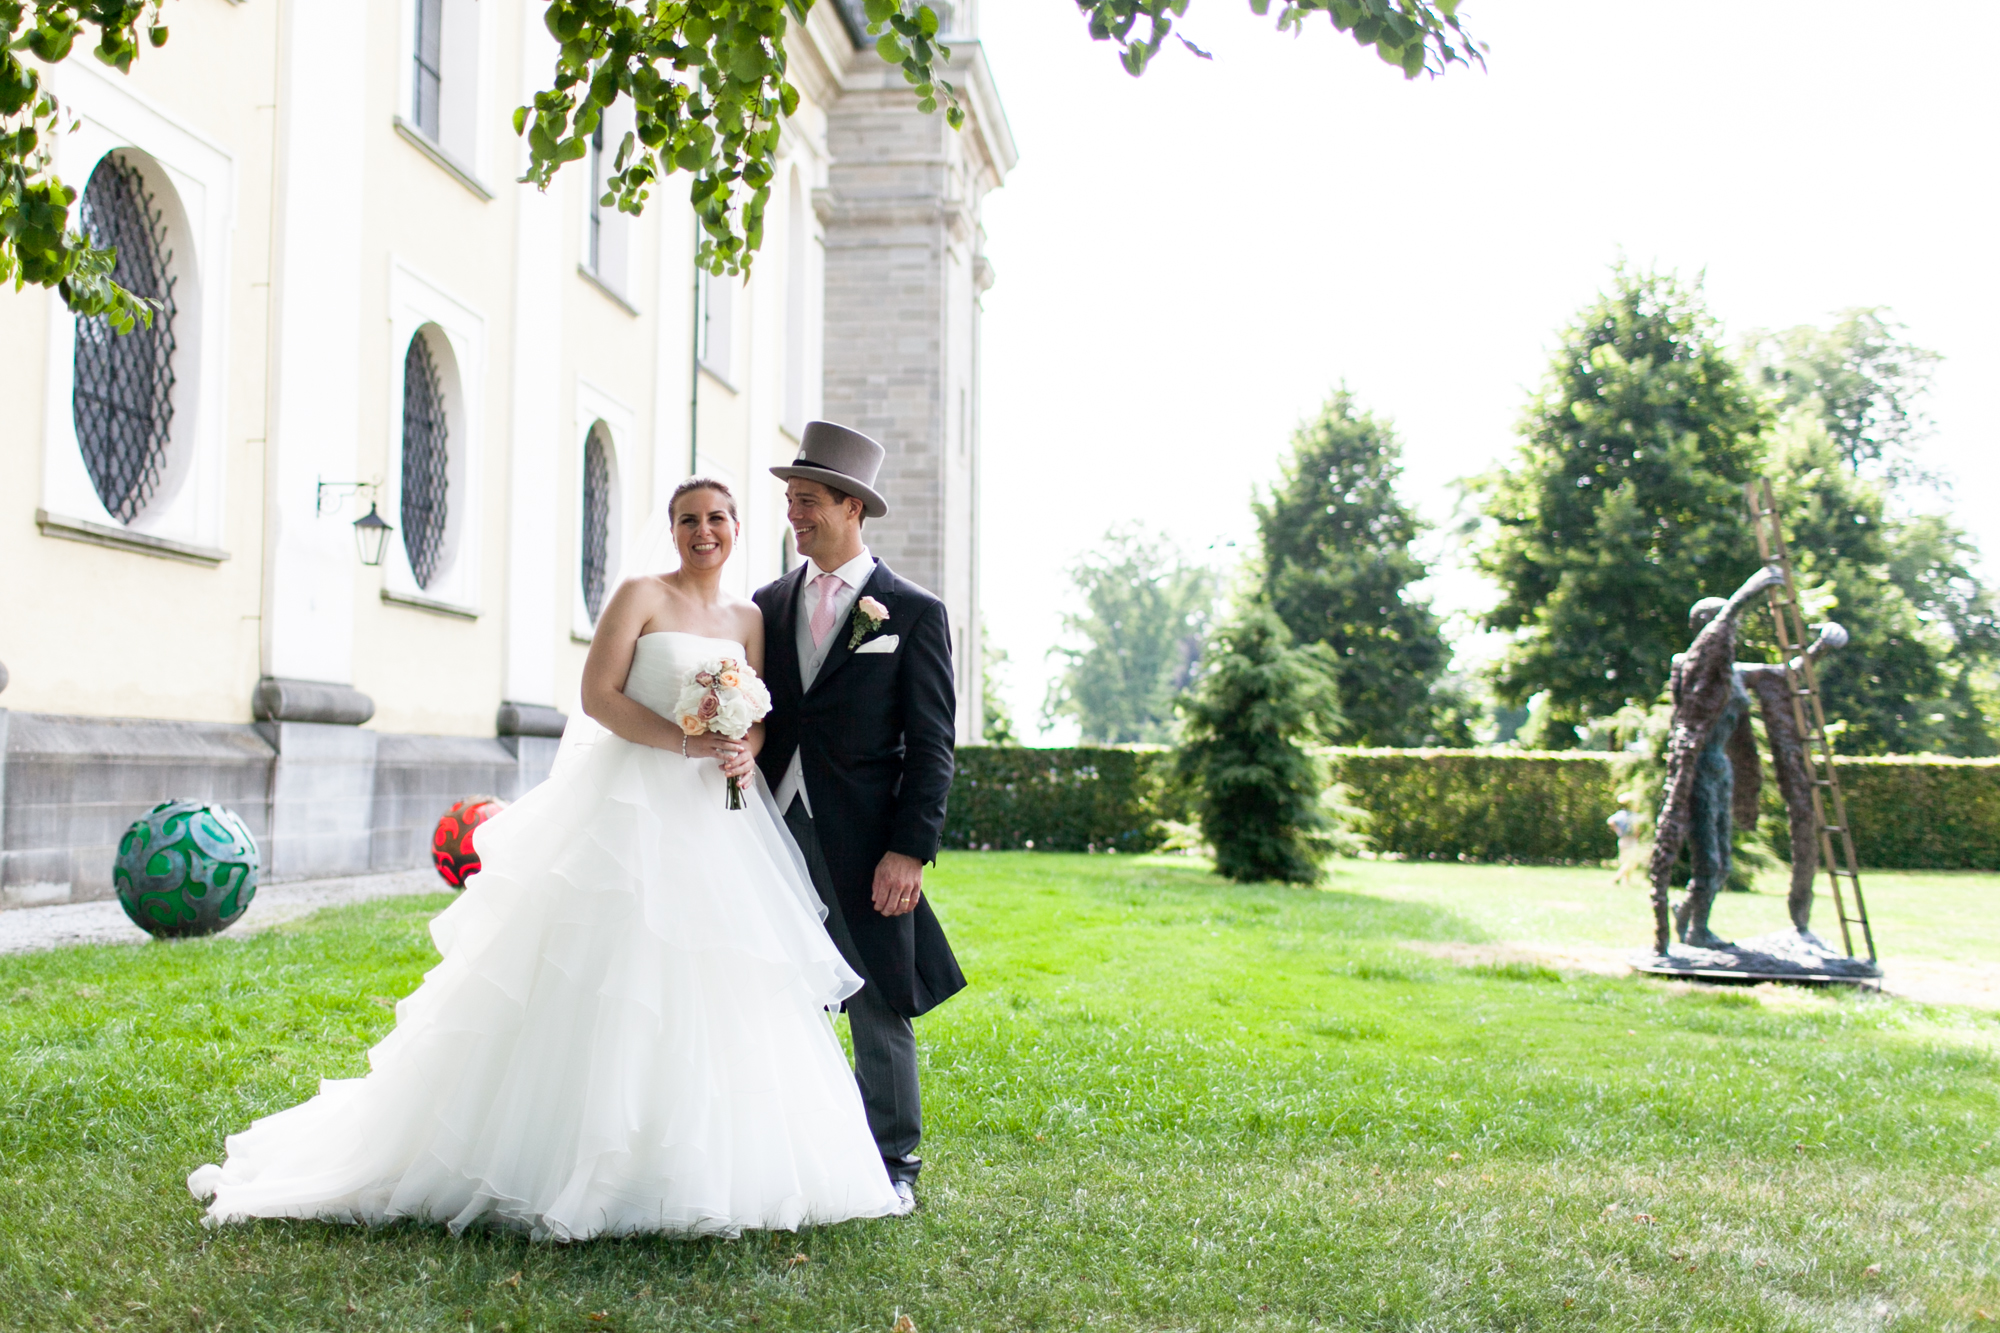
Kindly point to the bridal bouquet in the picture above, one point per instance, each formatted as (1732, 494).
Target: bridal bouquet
(724, 696)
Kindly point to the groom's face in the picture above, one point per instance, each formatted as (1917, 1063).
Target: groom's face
(822, 526)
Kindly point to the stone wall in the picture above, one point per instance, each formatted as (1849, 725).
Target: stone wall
(321, 799)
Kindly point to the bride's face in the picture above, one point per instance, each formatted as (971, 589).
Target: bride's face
(704, 530)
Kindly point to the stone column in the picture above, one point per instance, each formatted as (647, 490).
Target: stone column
(904, 270)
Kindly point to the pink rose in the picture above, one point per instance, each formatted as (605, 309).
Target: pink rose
(710, 706)
(873, 609)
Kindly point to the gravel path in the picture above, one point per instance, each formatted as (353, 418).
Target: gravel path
(30, 929)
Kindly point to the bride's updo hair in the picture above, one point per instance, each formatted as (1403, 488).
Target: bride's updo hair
(704, 484)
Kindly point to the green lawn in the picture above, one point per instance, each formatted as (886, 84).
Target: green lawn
(1166, 1103)
(1935, 915)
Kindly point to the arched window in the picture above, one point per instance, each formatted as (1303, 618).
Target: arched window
(123, 400)
(426, 461)
(597, 507)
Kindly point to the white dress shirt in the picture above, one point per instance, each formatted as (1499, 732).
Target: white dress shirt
(853, 576)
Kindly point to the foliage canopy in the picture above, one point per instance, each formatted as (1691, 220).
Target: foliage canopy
(705, 79)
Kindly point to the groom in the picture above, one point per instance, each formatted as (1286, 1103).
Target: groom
(858, 749)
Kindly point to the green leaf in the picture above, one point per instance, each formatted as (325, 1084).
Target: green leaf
(927, 20)
(890, 47)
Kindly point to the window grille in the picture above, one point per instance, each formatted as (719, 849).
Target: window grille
(596, 520)
(426, 461)
(123, 400)
(429, 62)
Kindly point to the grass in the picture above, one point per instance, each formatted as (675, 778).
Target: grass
(1165, 1103)
(1941, 915)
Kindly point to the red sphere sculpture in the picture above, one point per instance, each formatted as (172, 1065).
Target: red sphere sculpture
(451, 844)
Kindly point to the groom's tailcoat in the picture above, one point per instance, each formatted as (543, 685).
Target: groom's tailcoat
(874, 736)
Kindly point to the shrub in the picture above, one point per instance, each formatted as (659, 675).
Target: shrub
(1246, 751)
(1483, 805)
(1061, 800)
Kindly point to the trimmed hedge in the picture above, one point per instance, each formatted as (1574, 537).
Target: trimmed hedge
(1924, 814)
(1483, 805)
(1073, 800)
(1526, 806)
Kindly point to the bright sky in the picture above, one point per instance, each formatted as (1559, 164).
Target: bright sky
(1188, 262)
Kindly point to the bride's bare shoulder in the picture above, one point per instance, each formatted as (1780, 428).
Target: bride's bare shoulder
(644, 593)
(748, 618)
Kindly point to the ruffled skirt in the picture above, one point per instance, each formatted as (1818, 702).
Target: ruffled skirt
(628, 1033)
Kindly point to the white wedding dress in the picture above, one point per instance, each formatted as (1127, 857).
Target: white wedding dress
(627, 1033)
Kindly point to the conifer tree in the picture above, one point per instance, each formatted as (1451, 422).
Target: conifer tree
(1623, 505)
(1337, 568)
(1246, 751)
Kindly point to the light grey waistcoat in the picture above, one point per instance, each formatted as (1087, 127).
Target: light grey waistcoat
(812, 658)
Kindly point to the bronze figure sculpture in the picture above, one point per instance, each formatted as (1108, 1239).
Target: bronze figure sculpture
(1714, 776)
(1709, 706)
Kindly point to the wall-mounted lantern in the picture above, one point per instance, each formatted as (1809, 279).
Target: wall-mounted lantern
(371, 530)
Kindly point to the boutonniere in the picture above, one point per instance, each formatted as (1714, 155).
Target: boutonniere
(869, 616)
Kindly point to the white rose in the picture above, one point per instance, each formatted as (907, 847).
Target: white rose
(734, 719)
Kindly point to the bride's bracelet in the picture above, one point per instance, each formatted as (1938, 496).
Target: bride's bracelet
(684, 745)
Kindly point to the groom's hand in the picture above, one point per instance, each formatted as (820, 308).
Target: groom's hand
(899, 882)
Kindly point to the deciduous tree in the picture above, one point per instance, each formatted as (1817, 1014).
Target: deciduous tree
(1146, 613)
(706, 80)
(1861, 377)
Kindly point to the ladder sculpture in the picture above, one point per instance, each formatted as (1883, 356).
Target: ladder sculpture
(1836, 855)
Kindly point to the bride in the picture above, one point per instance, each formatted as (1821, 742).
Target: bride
(628, 1031)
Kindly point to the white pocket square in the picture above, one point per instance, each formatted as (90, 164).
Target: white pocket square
(886, 644)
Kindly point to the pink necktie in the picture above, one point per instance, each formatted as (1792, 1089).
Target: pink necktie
(822, 619)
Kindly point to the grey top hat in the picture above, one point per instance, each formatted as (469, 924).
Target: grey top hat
(841, 458)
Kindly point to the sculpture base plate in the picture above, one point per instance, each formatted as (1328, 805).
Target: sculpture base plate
(1785, 955)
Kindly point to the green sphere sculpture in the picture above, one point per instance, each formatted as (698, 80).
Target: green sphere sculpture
(186, 868)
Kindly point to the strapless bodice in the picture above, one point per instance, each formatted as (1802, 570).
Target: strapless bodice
(661, 661)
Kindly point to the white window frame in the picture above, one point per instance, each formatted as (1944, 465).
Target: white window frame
(594, 405)
(463, 136)
(415, 301)
(194, 182)
(611, 267)
(718, 299)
